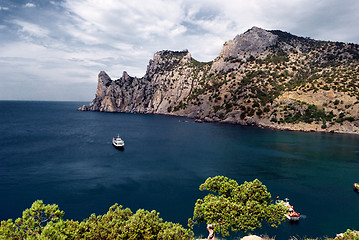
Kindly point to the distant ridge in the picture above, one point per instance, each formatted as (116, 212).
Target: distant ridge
(265, 78)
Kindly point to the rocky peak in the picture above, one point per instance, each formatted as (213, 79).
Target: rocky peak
(125, 77)
(103, 82)
(103, 78)
(251, 43)
(164, 60)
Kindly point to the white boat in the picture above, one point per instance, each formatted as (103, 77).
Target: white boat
(291, 214)
(118, 143)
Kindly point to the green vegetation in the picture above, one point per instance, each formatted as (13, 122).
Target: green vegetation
(200, 65)
(279, 57)
(236, 207)
(349, 235)
(43, 221)
(180, 105)
(309, 115)
(316, 66)
(232, 207)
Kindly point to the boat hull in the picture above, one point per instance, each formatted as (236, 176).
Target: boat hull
(356, 187)
(119, 147)
(292, 218)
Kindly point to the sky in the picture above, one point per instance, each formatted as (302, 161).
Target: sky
(54, 50)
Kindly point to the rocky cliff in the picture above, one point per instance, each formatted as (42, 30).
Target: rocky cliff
(264, 78)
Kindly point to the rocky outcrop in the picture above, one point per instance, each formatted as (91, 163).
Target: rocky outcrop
(154, 93)
(253, 43)
(266, 78)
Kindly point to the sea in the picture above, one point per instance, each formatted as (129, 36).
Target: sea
(50, 151)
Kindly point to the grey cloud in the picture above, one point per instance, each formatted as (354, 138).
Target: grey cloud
(68, 42)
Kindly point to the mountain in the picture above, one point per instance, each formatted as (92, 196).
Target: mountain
(264, 78)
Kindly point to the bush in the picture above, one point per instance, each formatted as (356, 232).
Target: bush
(259, 112)
(243, 115)
(274, 119)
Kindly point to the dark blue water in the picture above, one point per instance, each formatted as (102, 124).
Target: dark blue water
(52, 152)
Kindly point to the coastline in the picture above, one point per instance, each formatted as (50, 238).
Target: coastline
(343, 128)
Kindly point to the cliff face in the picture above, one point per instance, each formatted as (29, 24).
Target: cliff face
(162, 86)
(264, 78)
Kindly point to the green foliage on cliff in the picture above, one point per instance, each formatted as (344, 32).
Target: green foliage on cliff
(200, 65)
(235, 207)
(292, 64)
(307, 113)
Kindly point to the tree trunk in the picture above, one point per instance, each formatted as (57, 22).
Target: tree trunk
(211, 231)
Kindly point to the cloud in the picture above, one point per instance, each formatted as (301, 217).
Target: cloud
(31, 29)
(31, 71)
(140, 28)
(146, 27)
(69, 41)
(127, 19)
(300, 17)
(188, 24)
(30, 5)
